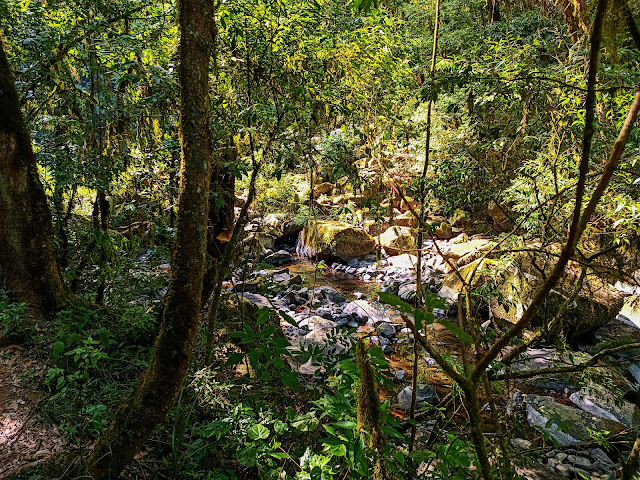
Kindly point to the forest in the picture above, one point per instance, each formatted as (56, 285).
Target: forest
(319, 239)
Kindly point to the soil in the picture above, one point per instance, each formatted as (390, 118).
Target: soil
(25, 441)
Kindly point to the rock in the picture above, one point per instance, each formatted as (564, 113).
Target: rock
(280, 257)
(281, 277)
(469, 250)
(266, 239)
(561, 457)
(249, 286)
(387, 350)
(342, 322)
(375, 228)
(364, 311)
(404, 261)
(294, 280)
(552, 462)
(328, 294)
(407, 291)
(597, 302)
(583, 463)
(601, 456)
(578, 423)
(386, 330)
(407, 219)
(521, 443)
(330, 239)
(251, 247)
(358, 295)
(424, 394)
(501, 222)
(324, 312)
(399, 375)
(319, 330)
(601, 403)
(396, 240)
(323, 189)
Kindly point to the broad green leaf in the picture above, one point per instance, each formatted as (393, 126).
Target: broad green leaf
(258, 432)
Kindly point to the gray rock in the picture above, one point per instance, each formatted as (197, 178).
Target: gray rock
(634, 370)
(399, 375)
(601, 455)
(353, 262)
(561, 457)
(604, 405)
(387, 350)
(583, 463)
(602, 468)
(540, 409)
(279, 258)
(386, 330)
(364, 310)
(358, 295)
(324, 312)
(342, 322)
(424, 394)
(407, 291)
(552, 462)
(521, 443)
(329, 294)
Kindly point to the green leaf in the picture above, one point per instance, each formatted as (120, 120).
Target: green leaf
(235, 358)
(337, 450)
(247, 456)
(263, 316)
(395, 301)
(58, 349)
(346, 424)
(456, 330)
(258, 432)
(280, 427)
(290, 379)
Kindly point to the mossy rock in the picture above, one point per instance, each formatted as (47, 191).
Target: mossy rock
(329, 239)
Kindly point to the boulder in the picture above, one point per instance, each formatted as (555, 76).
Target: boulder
(279, 258)
(365, 312)
(500, 221)
(407, 219)
(251, 247)
(396, 240)
(576, 424)
(326, 294)
(465, 252)
(600, 402)
(329, 239)
(323, 189)
(424, 394)
(375, 228)
(596, 304)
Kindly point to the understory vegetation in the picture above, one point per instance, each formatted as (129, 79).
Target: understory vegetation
(319, 240)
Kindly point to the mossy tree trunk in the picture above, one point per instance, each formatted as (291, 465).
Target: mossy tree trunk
(159, 385)
(28, 266)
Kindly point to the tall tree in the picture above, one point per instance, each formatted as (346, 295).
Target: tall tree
(160, 383)
(28, 266)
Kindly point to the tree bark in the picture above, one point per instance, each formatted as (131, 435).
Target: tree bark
(159, 385)
(28, 266)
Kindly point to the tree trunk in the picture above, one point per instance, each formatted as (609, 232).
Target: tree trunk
(160, 383)
(221, 213)
(28, 266)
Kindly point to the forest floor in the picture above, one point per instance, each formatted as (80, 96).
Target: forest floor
(25, 440)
